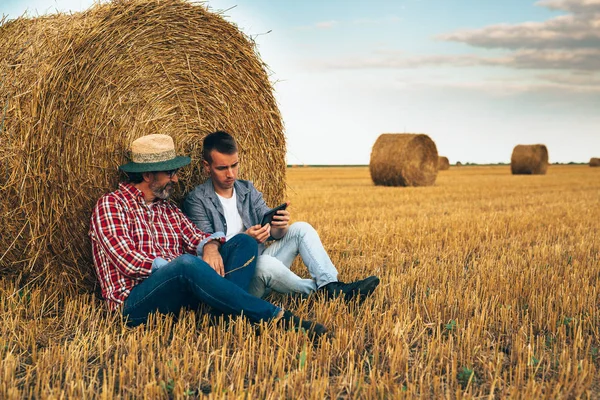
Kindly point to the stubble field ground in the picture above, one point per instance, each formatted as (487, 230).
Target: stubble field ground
(490, 289)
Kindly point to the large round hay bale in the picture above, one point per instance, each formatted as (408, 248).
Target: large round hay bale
(594, 162)
(404, 160)
(78, 89)
(529, 159)
(443, 163)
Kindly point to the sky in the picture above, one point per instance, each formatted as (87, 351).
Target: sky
(477, 76)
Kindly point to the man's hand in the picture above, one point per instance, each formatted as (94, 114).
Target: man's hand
(213, 258)
(259, 233)
(281, 219)
(280, 223)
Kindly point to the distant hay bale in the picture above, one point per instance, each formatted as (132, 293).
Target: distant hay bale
(458, 164)
(443, 163)
(594, 162)
(78, 88)
(529, 159)
(403, 160)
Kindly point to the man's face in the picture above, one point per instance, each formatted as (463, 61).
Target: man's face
(223, 169)
(163, 183)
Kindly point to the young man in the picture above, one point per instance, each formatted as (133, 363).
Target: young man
(224, 203)
(150, 257)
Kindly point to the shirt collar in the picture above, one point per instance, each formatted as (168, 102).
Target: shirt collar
(136, 194)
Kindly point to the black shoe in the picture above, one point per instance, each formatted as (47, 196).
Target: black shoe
(362, 288)
(314, 330)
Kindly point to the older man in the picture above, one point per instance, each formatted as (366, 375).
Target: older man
(150, 257)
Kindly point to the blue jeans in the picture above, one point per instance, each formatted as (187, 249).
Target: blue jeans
(188, 280)
(273, 266)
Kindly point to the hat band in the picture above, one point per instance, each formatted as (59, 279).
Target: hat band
(144, 158)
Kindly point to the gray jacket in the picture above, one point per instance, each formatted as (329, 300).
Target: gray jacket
(203, 207)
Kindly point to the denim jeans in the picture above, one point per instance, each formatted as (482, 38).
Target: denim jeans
(188, 280)
(273, 266)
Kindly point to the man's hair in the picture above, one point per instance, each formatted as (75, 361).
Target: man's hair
(220, 141)
(134, 177)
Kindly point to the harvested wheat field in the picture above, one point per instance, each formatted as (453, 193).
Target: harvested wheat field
(490, 289)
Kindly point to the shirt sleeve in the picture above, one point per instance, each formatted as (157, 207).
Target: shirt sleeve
(196, 212)
(111, 231)
(194, 238)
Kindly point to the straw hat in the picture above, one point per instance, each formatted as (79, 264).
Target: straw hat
(154, 153)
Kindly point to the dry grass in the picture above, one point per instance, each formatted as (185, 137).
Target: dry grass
(490, 287)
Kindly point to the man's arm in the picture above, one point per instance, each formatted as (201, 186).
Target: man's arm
(205, 244)
(196, 212)
(109, 225)
(195, 238)
(258, 208)
(280, 223)
(279, 226)
(213, 258)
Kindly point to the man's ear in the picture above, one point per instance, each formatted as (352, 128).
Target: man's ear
(206, 166)
(148, 176)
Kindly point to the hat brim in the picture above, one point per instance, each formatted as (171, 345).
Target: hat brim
(177, 162)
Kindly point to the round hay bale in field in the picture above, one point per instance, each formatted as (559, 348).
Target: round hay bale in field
(594, 162)
(404, 160)
(458, 164)
(529, 159)
(443, 163)
(78, 89)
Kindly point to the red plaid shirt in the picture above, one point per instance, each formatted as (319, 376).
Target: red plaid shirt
(128, 234)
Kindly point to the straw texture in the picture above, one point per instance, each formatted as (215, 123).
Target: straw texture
(404, 160)
(529, 159)
(594, 162)
(78, 89)
(443, 163)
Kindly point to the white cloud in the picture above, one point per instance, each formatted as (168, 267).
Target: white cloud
(577, 59)
(575, 6)
(588, 80)
(388, 19)
(568, 44)
(326, 24)
(566, 31)
(502, 87)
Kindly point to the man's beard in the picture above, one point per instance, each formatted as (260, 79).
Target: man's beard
(162, 192)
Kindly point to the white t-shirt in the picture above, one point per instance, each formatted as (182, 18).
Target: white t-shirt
(233, 219)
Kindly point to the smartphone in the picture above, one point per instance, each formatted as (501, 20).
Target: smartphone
(268, 217)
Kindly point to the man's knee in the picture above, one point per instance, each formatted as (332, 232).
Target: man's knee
(190, 265)
(266, 266)
(301, 229)
(244, 240)
(187, 260)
